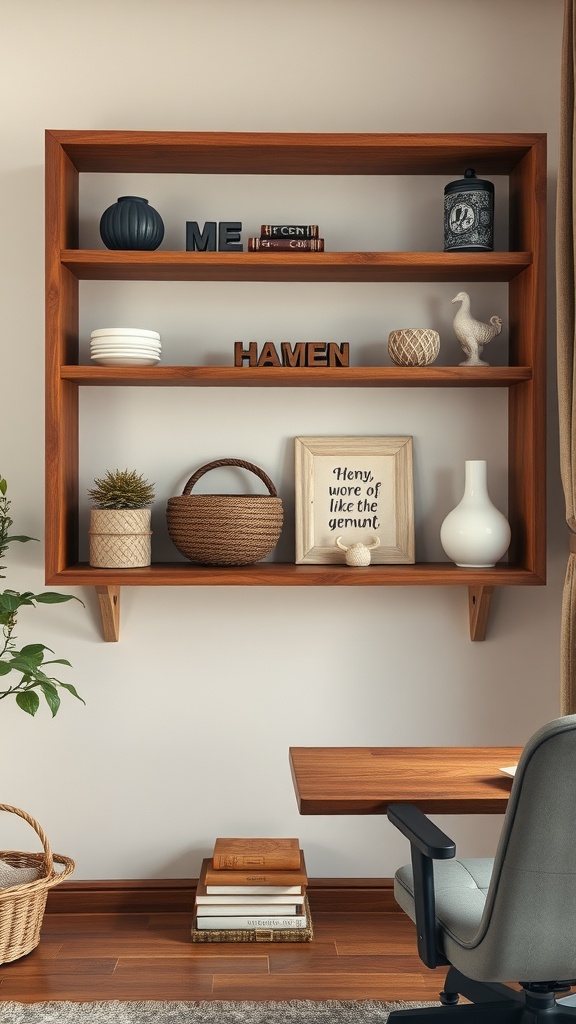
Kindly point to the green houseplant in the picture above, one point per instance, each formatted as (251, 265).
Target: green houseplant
(120, 520)
(29, 662)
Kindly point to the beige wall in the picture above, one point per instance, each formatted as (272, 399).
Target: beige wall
(189, 718)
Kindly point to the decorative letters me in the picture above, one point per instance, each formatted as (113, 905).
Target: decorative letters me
(229, 236)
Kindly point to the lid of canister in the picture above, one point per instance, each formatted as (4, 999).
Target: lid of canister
(469, 183)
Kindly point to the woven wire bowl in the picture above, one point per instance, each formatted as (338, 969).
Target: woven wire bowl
(413, 346)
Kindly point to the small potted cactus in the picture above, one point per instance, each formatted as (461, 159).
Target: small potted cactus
(120, 520)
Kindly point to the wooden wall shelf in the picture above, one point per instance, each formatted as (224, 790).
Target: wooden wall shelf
(98, 265)
(520, 156)
(298, 377)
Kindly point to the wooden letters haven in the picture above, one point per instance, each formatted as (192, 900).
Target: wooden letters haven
(302, 353)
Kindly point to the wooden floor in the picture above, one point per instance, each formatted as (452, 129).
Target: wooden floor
(150, 956)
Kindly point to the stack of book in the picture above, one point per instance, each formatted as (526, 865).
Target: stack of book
(253, 890)
(287, 238)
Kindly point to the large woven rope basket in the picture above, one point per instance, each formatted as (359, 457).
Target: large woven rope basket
(22, 906)
(225, 529)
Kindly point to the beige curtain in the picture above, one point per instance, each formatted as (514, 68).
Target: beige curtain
(566, 327)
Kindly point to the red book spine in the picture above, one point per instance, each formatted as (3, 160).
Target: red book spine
(286, 244)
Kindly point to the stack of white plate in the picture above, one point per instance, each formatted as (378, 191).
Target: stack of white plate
(125, 346)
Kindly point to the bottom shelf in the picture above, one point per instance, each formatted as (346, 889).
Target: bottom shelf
(480, 582)
(286, 574)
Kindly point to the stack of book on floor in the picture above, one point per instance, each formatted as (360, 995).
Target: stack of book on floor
(253, 890)
(287, 238)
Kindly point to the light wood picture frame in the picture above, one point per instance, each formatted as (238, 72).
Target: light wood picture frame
(357, 488)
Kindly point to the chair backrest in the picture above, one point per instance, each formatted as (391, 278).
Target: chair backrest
(528, 928)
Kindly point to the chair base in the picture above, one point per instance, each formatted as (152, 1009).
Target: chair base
(490, 1003)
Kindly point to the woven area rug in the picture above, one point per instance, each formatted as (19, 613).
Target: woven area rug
(301, 1011)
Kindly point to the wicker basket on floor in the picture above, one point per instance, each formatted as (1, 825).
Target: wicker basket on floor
(225, 529)
(22, 906)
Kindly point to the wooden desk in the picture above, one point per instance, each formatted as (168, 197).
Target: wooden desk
(364, 780)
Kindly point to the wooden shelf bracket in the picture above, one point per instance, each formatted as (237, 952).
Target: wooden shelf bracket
(479, 599)
(109, 602)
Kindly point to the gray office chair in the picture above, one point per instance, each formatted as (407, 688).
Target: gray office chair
(507, 919)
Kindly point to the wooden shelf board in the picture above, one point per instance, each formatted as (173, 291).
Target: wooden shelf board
(162, 265)
(292, 376)
(282, 574)
(291, 152)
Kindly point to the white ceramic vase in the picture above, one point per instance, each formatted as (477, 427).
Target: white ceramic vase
(475, 535)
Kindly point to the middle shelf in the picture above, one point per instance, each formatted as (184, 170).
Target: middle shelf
(295, 376)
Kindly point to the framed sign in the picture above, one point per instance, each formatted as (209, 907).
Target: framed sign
(358, 489)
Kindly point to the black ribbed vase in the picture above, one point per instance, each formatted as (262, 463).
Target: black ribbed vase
(131, 223)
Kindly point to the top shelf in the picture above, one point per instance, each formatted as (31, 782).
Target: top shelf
(161, 265)
(291, 153)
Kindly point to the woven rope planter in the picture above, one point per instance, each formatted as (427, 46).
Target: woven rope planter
(413, 346)
(225, 529)
(120, 538)
(22, 906)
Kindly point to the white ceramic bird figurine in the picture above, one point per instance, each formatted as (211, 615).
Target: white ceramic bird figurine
(472, 334)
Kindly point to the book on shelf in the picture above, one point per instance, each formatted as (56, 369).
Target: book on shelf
(248, 909)
(261, 854)
(270, 922)
(286, 244)
(253, 898)
(260, 933)
(289, 231)
(254, 895)
(281, 882)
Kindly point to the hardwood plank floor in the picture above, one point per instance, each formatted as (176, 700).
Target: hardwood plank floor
(85, 957)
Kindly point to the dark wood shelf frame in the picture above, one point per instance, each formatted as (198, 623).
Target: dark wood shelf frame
(520, 156)
(296, 376)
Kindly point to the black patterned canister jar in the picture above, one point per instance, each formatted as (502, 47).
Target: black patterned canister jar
(469, 214)
(131, 223)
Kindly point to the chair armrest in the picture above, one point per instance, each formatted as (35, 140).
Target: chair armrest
(427, 844)
(422, 833)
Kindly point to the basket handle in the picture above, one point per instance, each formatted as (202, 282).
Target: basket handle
(231, 462)
(39, 832)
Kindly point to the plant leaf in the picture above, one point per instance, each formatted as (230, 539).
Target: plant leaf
(33, 649)
(11, 602)
(25, 664)
(22, 539)
(28, 701)
(51, 695)
(72, 689)
(5, 668)
(54, 598)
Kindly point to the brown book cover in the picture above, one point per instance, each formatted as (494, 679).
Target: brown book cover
(278, 880)
(279, 894)
(256, 854)
(286, 244)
